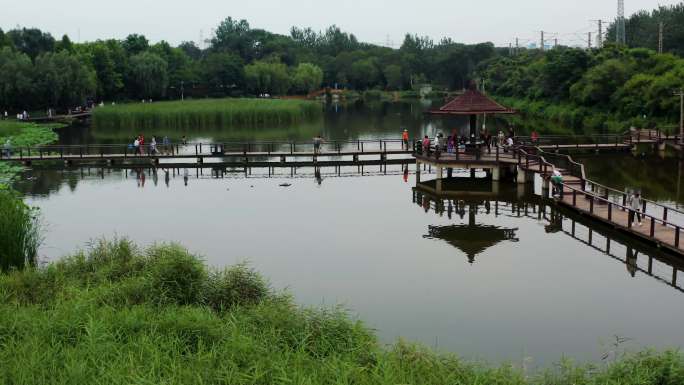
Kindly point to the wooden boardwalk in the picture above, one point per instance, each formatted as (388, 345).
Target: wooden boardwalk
(599, 203)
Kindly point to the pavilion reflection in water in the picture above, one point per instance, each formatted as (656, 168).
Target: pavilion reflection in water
(472, 197)
(469, 197)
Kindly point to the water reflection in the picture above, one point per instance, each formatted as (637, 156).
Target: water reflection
(476, 198)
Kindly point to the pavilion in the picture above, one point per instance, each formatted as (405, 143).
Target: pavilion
(472, 103)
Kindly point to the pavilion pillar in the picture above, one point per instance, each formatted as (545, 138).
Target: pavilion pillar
(472, 173)
(473, 129)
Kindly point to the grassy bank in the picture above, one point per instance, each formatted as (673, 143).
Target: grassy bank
(22, 134)
(19, 231)
(206, 113)
(118, 315)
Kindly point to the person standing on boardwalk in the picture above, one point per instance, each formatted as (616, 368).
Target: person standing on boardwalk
(153, 146)
(635, 208)
(405, 138)
(136, 146)
(317, 140)
(426, 145)
(166, 143)
(534, 137)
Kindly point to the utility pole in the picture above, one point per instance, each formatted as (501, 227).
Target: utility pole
(542, 41)
(680, 93)
(661, 29)
(620, 29)
(555, 43)
(599, 37)
(589, 41)
(517, 45)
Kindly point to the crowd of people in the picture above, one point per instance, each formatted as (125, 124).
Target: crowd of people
(138, 146)
(455, 143)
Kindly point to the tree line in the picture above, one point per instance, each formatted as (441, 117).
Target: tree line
(613, 87)
(39, 71)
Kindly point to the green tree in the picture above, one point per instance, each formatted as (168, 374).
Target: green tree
(364, 74)
(307, 77)
(149, 74)
(223, 72)
(267, 77)
(135, 44)
(392, 74)
(63, 80)
(31, 41)
(16, 79)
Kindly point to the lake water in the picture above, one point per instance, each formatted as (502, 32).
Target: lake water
(498, 276)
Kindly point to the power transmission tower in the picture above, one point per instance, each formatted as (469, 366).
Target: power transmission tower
(680, 93)
(517, 46)
(660, 37)
(555, 43)
(620, 31)
(589, 40)
(542, 41)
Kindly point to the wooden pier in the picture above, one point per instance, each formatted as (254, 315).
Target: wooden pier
(297, 154)
(662, 225)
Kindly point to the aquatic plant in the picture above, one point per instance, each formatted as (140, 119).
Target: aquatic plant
(120, 314)
(19, 231)
(206, 113)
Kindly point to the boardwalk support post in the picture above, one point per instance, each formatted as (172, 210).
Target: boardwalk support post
(496, 173)
(438, 183)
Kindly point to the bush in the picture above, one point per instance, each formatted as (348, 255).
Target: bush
(176, 275)
(19, 232)
(235, 286)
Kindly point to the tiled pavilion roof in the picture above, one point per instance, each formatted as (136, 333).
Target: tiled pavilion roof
(472, 102)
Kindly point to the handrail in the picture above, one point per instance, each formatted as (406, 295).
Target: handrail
(583, 178)
(611, 204)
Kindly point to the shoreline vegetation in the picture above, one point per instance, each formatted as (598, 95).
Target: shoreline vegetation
(22, 134)
(216, 113)
(117, 313)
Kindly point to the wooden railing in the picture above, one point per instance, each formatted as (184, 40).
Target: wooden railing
(206, 149)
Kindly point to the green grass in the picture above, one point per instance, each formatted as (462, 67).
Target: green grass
(207, 113)
(19, 232)
(117, 314)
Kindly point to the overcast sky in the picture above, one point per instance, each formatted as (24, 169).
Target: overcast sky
(375, 21)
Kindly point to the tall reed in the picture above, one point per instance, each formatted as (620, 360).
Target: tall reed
(19, 231)
(207, 113)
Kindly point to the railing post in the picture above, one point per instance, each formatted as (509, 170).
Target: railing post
(652, 227)
(610, 211)
(574, 197)
(591, 204)
(643, 210)
(361, 146)
(677, 237)
(664, 214)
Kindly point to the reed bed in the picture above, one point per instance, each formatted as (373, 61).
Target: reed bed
(117, 314)
(19, 232)
(206, 113)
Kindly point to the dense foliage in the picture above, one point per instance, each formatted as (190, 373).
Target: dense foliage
(37, 71)
(612, 88)
(117, 315)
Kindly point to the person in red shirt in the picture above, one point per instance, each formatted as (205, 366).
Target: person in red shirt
(405, 138)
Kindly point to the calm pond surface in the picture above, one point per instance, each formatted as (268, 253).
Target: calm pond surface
(501, 277)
